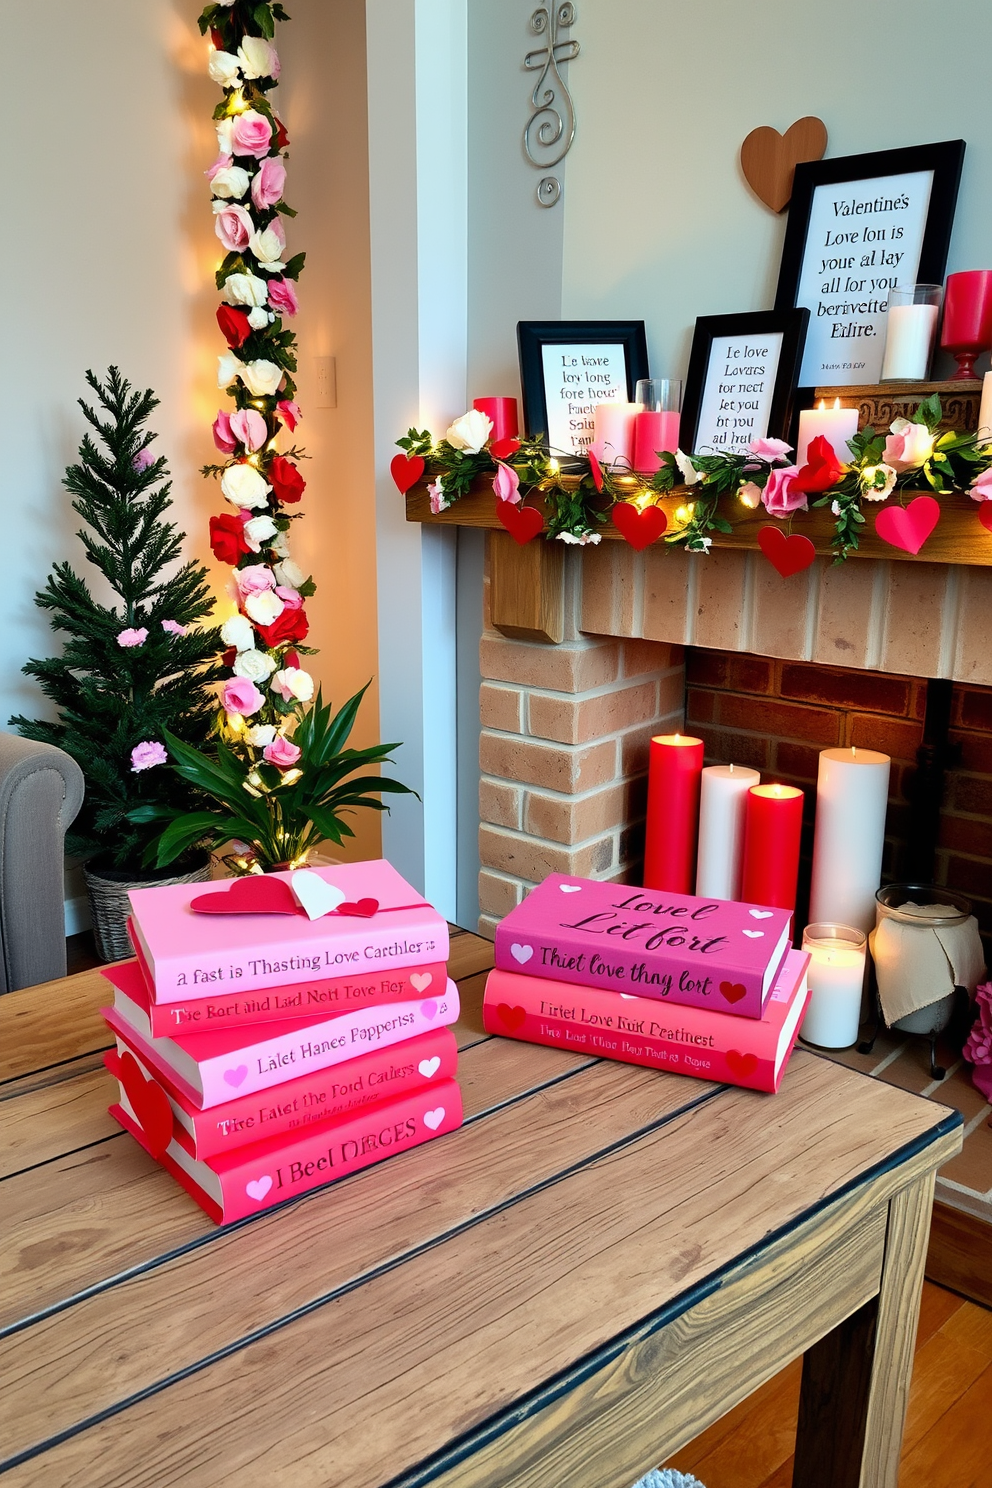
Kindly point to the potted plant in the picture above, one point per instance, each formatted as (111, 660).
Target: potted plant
(132, 671)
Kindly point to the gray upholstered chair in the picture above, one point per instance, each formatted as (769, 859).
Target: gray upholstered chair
(41, 790)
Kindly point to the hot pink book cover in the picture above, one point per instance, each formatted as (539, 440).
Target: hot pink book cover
(191, 955)
(256, 1177)
(751, 1052)
(380, 1075)
(211, 1067)
(705, 953)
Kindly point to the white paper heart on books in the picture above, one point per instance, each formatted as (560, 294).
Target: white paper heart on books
(521, 953)
(315, 895)
(429, 1067)
(433, 1119)
(754, 934)
(258, 1188)
(570, 888)
(761, 914)
(420, 980)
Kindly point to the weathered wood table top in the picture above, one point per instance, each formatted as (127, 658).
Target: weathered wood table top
(600, 1263)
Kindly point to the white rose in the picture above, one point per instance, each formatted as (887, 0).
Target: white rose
(265, 607)
(289, 574)
(257, 666)
(876, 482)
(267, 246)
(237, 632)
(280, 544)
(690, 475)
(261, 378)
(223, 67)
(245, 289)
(587, 537)
(228, 368)
(470, 432)
(230, 182)
(258, 531)
(295, 682)
(261, 734)
(224, 141)
(258, 58)
(243, 485)
(258, 318)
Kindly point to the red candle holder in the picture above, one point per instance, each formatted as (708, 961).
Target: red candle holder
(503, 412)
(967, 328)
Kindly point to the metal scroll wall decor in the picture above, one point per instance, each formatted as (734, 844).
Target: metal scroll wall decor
(551, 127)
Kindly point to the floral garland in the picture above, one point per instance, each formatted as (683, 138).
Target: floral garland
(262, 699)
(914, 450)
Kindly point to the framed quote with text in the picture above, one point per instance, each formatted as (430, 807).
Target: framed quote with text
(567, 367)
(858, 227)
(741, 379)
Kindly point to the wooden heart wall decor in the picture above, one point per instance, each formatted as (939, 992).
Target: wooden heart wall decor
(769, 159)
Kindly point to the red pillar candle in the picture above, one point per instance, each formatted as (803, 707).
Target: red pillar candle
(674, 769)
(772, 827)
(503, 412)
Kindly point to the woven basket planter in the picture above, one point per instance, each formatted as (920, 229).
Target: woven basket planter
(110, 905)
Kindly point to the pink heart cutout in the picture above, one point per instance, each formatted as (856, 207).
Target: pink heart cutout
(429, 1009)
(908, 527)
(237, 1076)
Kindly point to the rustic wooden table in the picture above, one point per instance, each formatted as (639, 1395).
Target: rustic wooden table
(599, 1264)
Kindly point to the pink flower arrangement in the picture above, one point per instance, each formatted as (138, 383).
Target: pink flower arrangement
(781, 494)
(256, 578)
(908, 446)
(147, 754)
(282, 752)
(223, 438)
(249, 428)
(769, 449)
(132, 637)
(288, 411)
(241, 696)
(173, 627)
(268, 183)
(282, 296)
(981, 488)
(234, 227)
(251, 134)
(506, 483)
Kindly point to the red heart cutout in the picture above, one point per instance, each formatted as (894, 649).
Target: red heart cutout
(364, 909)
(741, 1064)
(521, 522)
(789, 555)
(502, 449)
(256, 894)
(985, 515)
(640, 527)
(406, 471)
(512, 1017)
(908, 527)
(149, 1103)
(733, 991)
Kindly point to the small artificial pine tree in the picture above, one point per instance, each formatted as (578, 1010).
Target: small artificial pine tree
(132, 671)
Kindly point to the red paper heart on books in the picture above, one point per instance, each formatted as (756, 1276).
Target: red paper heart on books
(733, 991)
(259, 893)
(640, 528)
(908, 527)
(741, 1064)
(364, 909)
(149, 1103)
(511, 1017)
(789, 555)
(406, 471)
(985, 515)
(521, 522)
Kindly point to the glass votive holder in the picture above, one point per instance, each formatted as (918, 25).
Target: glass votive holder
(836, 979)
(659, 394)
(656, 425)
(910, 332)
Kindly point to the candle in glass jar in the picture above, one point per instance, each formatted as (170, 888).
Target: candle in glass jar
(852, 793)
(837, 425)
(613, 441)
(722, 806)
(675, 764)
(836, 977)
(773, 821)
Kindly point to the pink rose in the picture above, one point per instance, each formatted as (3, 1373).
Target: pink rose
(750, 495)
(142, 460)
(282, 752)
(223, 438)
(223, 162)
(291, 598)
(255, 579)
(133, 637)
(287, 410)
(249, 428)
(781, 495)
(269, 182)
(908, 446)
(251, 134)
(234, 227)
(241, 696)
(146, 754)
(981, 488)
(173, 627)
(439, 502)
(506, 483)
(769, 449)
(282, 296)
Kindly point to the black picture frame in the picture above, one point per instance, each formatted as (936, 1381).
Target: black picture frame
(790, 323)
(944, 159)
(534, 335)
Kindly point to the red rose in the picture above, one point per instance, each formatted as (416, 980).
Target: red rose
(822, 469)
(285, 479)
(234, 325)
(291, 625)
(228, 656)
(227, 537)
(596, 470)
(282, 138)
(291, 659)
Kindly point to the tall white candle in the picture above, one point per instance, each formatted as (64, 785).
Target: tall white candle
(836, 975)
(837, 425)
(852, 792)
(909, 337)
(722, 805)
(985, 412)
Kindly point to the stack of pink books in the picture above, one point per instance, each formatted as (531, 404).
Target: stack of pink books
(703, 987)
(275, 1033)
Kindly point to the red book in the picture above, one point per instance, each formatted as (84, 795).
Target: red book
(250, 1179)
(369, 988)
(752, 1052)
(380, 1075)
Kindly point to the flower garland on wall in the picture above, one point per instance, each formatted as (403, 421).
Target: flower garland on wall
(913, 453)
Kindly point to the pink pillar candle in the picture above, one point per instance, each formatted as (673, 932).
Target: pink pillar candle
(654, 432)
(503, 412)
(614, 432)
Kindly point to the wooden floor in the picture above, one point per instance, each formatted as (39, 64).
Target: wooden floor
(948, 1442)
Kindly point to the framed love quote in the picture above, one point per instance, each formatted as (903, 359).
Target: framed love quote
(858, 227)
(741, 379)
(567, 367)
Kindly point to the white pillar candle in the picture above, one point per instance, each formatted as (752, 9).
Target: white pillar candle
(722, 805)
(985, 412)
(614, 432)
(836, 976)
(837, 425)
(909, 337)
(852, 791)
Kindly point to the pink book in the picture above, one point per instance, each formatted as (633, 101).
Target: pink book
(689, 1041)
(705, 953)
(162, 1108)
(190, 955)
(208, 1068)
(246, 1181)
(304, 1000)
